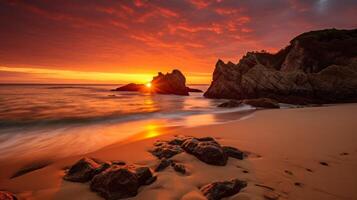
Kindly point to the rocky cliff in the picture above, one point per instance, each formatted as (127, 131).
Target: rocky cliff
(317, 67)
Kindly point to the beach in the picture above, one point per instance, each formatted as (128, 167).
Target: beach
(296, 153)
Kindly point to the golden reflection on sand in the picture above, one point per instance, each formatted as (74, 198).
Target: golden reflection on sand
(151, 130)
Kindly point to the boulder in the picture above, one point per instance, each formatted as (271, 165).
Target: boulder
(317, 67)
(118, 182)
(230, 104)
(132, 87)
(222, 189)
(4, 195)
(261, 103)
(207, 150)
(84, 170)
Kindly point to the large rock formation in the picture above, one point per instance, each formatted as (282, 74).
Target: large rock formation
(317, 67)
(169, 83)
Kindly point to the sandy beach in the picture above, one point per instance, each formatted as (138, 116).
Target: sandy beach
(300, 153)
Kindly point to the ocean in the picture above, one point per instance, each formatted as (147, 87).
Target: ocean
(38, 120)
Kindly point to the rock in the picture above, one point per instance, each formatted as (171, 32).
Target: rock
(144, 174)
(259, 103)
(119, 182)
(206, 150)
(179, 167)
(84, 170)
(166, 150)
(118, 162)
(150, 180)
(221, 189)
(132, 87)
(262, 103)
(298, 184)
(233, 152)
(193, 90)
(4, 195)
(164, 163)
(323, 163)
(317, 67)
(230, 104)
(169, 83)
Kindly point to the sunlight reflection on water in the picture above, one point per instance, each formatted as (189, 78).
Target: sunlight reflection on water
(65, 121)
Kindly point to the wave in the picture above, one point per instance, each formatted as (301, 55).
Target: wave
(114, 118)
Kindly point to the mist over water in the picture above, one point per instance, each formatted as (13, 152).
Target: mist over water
(76, 119)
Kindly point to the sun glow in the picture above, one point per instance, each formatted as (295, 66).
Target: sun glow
(148, 85)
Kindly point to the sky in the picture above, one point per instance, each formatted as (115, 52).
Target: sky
(121, 41)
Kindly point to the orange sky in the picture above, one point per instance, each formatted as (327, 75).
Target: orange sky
(129, 41)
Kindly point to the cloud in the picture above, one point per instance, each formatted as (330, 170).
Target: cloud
(145, 36)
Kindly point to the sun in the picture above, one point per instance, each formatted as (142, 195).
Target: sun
(148, 85)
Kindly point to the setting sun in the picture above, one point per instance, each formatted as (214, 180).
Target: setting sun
(148, 85)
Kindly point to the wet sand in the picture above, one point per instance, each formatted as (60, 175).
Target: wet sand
(302, 153)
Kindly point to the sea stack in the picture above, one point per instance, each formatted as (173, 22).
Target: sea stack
(169, 83)
(317, 67)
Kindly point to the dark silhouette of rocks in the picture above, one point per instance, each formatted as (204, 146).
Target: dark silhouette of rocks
(259, 103)
(4, 195)
(84, 170)
(118, 182)
(131, 87)
(221, 189)
(169, 83)
(317, 67)
(230, 104)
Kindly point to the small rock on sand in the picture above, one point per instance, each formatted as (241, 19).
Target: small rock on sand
(221, 189)
(164, 163)
(179, 167)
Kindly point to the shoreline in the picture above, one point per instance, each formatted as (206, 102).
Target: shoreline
(286, 145)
